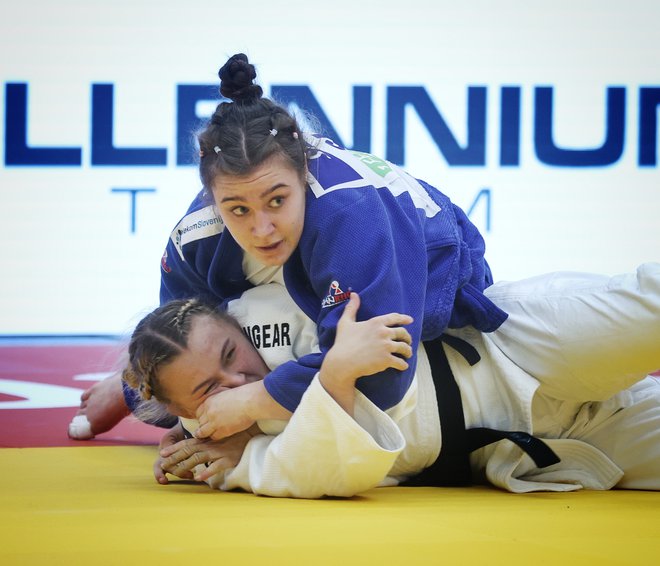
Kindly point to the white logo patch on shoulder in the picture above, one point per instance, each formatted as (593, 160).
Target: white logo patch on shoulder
(197, 225)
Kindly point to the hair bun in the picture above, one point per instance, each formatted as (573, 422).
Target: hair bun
(236, 80)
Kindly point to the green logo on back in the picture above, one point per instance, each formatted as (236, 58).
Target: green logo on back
(376, 164)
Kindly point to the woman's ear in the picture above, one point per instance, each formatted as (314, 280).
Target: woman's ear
(306, 176)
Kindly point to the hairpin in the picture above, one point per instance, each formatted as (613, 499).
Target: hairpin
(273, 132)
(217, 149)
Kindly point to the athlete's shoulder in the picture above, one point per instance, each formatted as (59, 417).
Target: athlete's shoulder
(341, 177)
(200, 223)
(333, 167)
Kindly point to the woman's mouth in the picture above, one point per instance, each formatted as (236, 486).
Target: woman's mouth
(270, 248)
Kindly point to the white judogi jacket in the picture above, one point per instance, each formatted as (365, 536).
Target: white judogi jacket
(322, 451)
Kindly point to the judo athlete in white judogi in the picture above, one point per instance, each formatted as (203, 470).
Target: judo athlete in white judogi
(569, 366)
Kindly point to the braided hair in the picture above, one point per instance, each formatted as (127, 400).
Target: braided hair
(159, 338)
(250, 129)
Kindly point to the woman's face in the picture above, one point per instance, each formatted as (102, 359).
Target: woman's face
(265, 210)
(219, 357)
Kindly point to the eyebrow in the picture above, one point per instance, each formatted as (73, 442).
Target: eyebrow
(241, 198)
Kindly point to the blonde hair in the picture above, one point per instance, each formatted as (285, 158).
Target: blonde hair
(158, 339)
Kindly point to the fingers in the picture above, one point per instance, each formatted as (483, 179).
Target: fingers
(184, 446)
(390, 319)
(403, 349)
(210, 431)
(205, 430)
(401, 335)
(180, 457)
(210, 425)
(183, 468)
(212, 469)
(390, 333)
(398, 363)
(190, 454)
(394, 319)
(159, 473)
(351, 309)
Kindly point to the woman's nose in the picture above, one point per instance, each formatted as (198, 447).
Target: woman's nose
(263, 224)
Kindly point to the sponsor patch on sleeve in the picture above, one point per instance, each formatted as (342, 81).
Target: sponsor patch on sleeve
(335, 296)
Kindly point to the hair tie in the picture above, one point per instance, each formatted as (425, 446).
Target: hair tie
(295, 135)
(217, 149)
(273, 132)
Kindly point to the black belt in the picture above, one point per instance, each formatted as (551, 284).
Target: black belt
(452, 468)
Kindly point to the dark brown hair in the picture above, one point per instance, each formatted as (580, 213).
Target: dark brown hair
(244, 133)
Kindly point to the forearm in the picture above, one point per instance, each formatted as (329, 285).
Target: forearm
(338, 383)
(260, 405)
(343, 395)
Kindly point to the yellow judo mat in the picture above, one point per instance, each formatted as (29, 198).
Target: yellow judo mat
(100, 505)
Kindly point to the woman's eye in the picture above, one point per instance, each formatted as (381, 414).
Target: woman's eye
(276, 202)
(229, 356)
(210, 388)
(239, 211)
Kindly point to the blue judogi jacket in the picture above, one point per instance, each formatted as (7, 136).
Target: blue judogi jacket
(370, 228)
